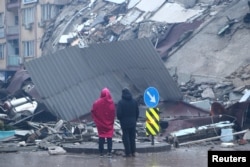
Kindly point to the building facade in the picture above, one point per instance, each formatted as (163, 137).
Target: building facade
(22, 25)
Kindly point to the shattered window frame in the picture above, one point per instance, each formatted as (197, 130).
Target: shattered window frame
(28, 48)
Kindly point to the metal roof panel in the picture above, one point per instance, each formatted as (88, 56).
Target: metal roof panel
(70, 80)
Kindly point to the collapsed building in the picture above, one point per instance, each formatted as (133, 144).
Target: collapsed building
(57, 106)
(65, 82)
(86, 22)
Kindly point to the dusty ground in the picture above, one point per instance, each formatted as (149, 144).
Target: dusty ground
(193, 155)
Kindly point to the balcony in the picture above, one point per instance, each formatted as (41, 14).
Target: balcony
(12, 31)
(13, 60)
(61, 2)
(12, 4)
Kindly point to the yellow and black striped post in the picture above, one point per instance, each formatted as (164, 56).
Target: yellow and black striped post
(152, 122)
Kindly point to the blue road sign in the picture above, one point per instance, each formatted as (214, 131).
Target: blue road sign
(151, 97)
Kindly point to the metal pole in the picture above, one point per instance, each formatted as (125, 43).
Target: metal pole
(213, 138)
(152, 142)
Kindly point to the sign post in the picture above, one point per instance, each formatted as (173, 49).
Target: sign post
(151, 99)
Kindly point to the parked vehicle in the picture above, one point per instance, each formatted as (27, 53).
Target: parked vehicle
(19, 107)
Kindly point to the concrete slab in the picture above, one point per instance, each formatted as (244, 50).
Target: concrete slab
(210, 56)
(175, 13)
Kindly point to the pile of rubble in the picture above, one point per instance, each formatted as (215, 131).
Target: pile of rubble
(227, 92)
(51, 134)
(83, 23)
(32, 124)
(22, 112)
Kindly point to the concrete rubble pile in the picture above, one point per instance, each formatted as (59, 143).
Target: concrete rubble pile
(23, 113)
(20, 110)
(228, 91)
(50, 135)
(85, 22)
(30, 123)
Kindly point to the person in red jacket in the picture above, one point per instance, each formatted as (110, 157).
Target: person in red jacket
(103, 115)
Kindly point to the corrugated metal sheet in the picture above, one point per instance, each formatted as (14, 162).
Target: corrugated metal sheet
(71, 79)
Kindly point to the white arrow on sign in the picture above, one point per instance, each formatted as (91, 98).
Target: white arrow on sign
(152, 98)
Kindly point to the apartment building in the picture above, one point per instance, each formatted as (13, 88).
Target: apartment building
(22, 24)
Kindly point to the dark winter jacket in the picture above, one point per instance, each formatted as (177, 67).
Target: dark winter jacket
(127, 110)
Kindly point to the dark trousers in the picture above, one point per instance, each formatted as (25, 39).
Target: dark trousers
(102, 142)
(128, 139)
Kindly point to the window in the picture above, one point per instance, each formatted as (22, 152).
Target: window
(49, 11)
(28, 48)
(2, 33)
(1, 20)
(28, 16)
(46, 12)
(29, 1)
(1, 51)
(16, 20)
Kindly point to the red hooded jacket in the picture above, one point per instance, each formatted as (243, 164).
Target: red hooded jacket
(103, 114)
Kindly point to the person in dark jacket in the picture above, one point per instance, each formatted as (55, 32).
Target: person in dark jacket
(127, 114)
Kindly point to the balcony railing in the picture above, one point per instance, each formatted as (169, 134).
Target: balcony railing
(61, 2)
(12, 30)
(13, 4)
(13, 60)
